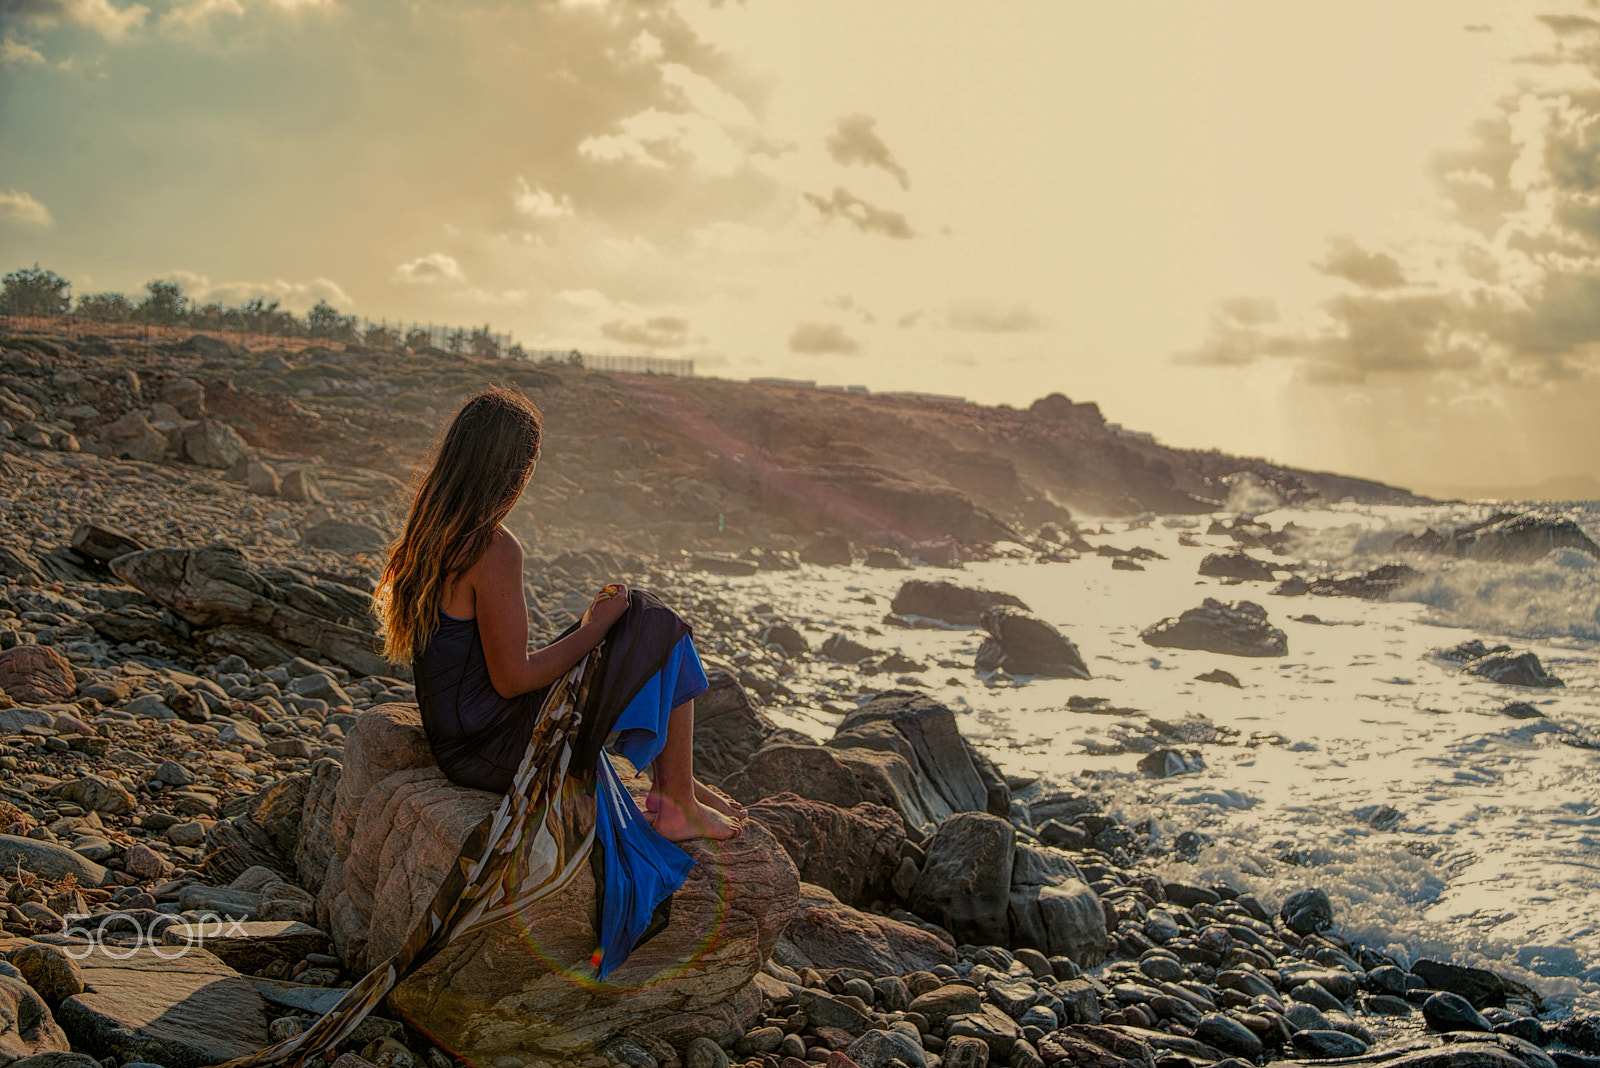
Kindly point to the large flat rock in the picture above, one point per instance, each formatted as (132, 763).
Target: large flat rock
(182, 1013)
(523, 985)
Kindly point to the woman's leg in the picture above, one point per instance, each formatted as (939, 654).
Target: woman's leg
(678, 812)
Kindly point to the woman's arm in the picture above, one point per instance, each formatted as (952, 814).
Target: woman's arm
(502, 613)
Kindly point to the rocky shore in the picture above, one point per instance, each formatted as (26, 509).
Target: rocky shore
(217, 808)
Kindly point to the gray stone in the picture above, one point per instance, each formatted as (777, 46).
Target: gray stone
(965, 885)
(213, 443)
(1228, 1035)
(182, 1013)
(962, 1051)
(50, 860)
(26, 1026)
(997, 1030)
(704, 1053)
(1307, 911)
(1445, 1011)
(1323, 1045)
(321, 687)
(875, 1049)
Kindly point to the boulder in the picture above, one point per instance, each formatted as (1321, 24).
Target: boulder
(213, 443)
(727, 727)
(184, 1012)
(1237, 565)
(216, 587)
(1307, 911)
(852, 852)
(842, 777)
(825, 933)
(1052, 909)
(787, 638)
(301, 485)
(36, 674)
(949, 774)
(848, 650)
(132, 437)
(344, 538)
(397, 825)
(1239, 629)
(103, 544)
(949, 602)
(1026, 645)
(965, 884)
(49, 860)
(186, 395)
(26, 1026)
(886, 560)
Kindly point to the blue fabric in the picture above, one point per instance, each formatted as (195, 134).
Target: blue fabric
(641, 730)
(642, 869)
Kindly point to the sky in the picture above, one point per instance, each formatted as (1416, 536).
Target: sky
(1349, 235)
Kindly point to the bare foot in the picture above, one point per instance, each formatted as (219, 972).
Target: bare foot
(677, 823)
(710, 795)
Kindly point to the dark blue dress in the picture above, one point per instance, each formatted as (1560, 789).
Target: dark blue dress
(479, 738)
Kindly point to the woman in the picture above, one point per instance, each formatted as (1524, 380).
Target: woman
(452, 605)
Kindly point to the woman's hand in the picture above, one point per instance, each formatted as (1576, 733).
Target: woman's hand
(608, 608)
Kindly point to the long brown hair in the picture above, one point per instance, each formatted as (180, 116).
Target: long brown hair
(480, 467)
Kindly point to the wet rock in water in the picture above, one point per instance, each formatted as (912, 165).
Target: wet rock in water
(1504, 536)
(27, 1029)
(1521, 710)
(728, 728)
(1026, 645)
(1521, 670)
(852, 852)
(1165, 763)
(949, 602)
(965, 885)
(832, 550)
(886, 559)
(35, 674)
(1226, 678)
(1237, 565)
(1374, 585)
(190, 1010)
(345, 538)
(847, 650)
(1307, 911)
(1325, 1044)
(718, 563)
(1479, 986)
(1239, 629)
(1452, 1012)
(1123, 564)
(397, 827)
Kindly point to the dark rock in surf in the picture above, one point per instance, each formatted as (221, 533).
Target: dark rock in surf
(1307, 911)
(1374, 585)
(1237, 565)
(1226, 678)
(949, 602)
(1026, 645)
(1521, 670)
(1505, 536)
(1234, 629)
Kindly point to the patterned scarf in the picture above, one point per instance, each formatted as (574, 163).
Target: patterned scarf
(529, 849)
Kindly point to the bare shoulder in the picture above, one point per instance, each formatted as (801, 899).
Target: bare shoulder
(504, 552)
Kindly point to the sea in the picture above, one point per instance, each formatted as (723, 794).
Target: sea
(1361, 762)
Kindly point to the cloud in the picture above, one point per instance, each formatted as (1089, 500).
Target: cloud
(1374, 270)
(1501, 289)
(702, 125)
(16, 52)
(822, 339)
(430, 269)
(658, 332)
(855, 140)
(196, 12)
(18, 206)
(101, 16)
(539, 204)
(985, 319)
(868, 218)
